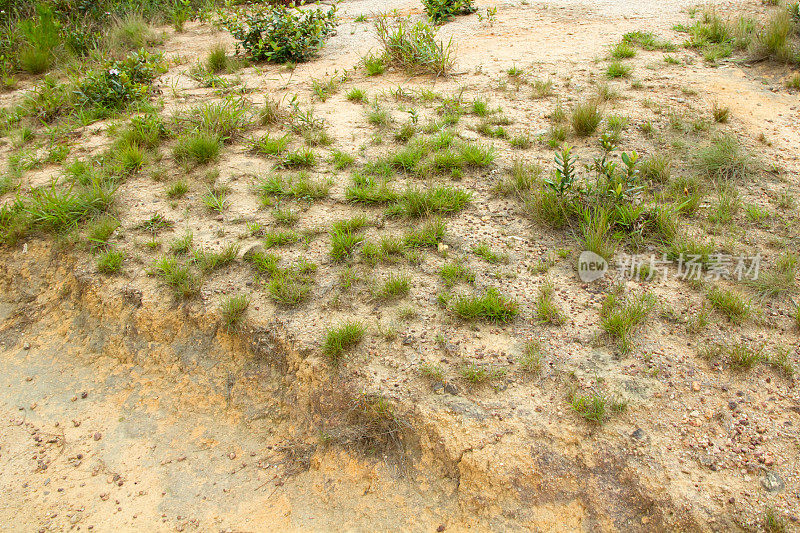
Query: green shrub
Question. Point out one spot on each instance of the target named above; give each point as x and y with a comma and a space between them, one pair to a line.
440, 11
281, 34
119, 83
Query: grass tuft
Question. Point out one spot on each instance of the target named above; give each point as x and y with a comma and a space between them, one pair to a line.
342, 338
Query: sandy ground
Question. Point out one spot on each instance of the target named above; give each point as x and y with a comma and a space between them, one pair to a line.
118, 428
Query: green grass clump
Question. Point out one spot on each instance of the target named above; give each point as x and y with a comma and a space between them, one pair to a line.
455, 272
623, 50
232, 310
357, 95
620, 316
522, 177
413, 47
374, 64
198, 148
730, 303
546, 310
647, 41
724, 159
482, 250
428, 234
345, 236
208, 261
110, 261
743, 357
271, 146
368, 190
182, 245
394, 286
490, 306
415, 203
289, 286
531, 358
586, 117
477, 374
297, 187
184, 283
431, 371
225, 119
300, 158
177, 190
100, 230
617, 69
340, 339
342, 160
280, 238
594, 407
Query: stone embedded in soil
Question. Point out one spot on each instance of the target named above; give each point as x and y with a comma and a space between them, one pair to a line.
772, 482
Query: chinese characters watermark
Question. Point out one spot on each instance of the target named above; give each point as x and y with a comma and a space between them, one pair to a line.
687, 267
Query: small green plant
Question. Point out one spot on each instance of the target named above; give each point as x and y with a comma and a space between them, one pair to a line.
345, 236
431, 371
232, 310
357, 95
720, 113
483, 250
281, 34
375, 65
477, 374
198, 148
730, 303
586, 117
413, 48
177, 190
772, 522
546, 310
300, 187
440, 11
215, 199
208, 261
490, 306
184, 283
724, 159
110, 261
617, 69
428, 234
594, 407
743, 357
342, 338
623, 50
182, 245
342, 160
455, 272
531, 358
394, 286
280, 238
99, 231
620, 316
271, 146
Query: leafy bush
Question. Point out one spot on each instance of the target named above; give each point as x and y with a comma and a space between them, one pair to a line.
120, 82
440, 11
281, 34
